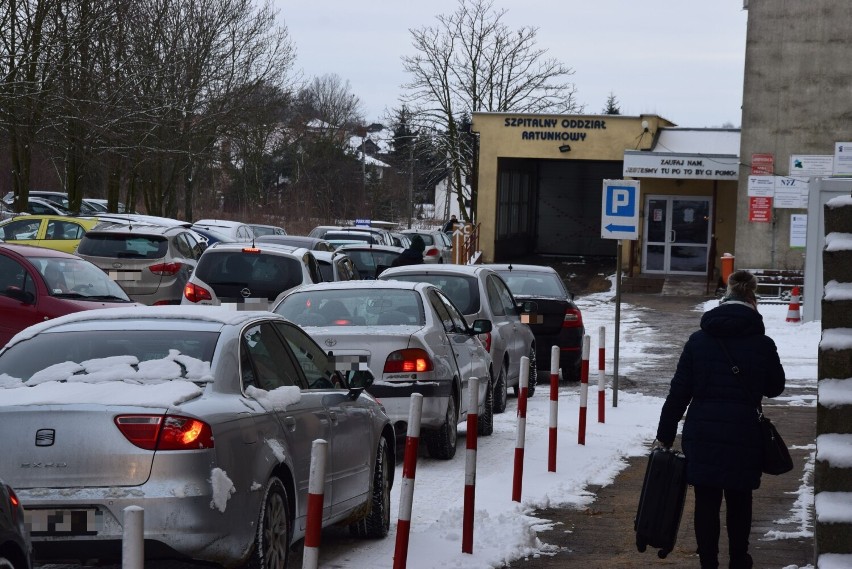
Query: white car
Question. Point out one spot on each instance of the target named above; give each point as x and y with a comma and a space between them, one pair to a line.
233, 230
413, 339
249, 277
439, 246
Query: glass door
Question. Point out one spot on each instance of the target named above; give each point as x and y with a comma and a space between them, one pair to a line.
677, 235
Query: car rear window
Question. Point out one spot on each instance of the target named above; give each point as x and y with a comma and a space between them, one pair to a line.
123, 246
353, 307
533, 284
267, 274
462, 290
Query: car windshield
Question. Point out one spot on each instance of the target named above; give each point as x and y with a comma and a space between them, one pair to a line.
462, 290
123, 246
265, 274
353, 307
76, 278
533, 283
105, 355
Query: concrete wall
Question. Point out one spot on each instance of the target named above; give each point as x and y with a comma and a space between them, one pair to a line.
796, 100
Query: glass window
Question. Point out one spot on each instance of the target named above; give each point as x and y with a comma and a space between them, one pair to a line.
182, 245
270, 361
12, 273
21, 229
494, 300
505, 295
459, 324
441, 309
317, 366
123, 246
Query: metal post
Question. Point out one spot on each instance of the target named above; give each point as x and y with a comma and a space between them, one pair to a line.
523, 390
617, 323
470, 466
133, 541
316, 496
554, 408
406, 491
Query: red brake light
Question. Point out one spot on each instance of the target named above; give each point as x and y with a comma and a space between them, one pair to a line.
165, 269
431, 252
253, 250
572, 319
14, 501
486, 341
195, 293
408, 361
165, 432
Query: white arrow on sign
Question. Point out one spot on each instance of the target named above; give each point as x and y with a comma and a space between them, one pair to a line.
620, 209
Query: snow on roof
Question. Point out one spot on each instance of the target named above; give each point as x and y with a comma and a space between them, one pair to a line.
705, 141
836, 339
834, 392
839, 201
836, 449
838, 241
833, 507
838, 291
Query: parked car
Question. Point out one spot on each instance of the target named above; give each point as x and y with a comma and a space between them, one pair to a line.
341, 237
401, 239
555, 320
234, 230
41, 206
382, 236
311, 243
418, 343
151, 262
204, 417
480, 293
336, 266
249, 277
38, 284
15, 545
52, 231
371, 260
439, 247
260, 229
6, 211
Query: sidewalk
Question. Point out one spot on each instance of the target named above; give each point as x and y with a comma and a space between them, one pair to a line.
602, 535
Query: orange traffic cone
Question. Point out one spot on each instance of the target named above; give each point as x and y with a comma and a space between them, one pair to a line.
793, 312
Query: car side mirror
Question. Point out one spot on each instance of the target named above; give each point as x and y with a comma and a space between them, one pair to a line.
20, 294
358, 381
481, 326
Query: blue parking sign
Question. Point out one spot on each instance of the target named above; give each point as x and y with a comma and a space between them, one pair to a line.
620, 209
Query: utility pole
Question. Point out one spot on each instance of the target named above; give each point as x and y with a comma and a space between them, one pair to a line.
410, 183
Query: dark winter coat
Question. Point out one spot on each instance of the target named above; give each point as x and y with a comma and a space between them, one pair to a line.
408, 257
721, 438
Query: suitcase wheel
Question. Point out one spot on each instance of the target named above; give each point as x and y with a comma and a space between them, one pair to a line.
662, 553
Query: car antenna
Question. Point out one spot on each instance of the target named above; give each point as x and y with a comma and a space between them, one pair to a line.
510, 267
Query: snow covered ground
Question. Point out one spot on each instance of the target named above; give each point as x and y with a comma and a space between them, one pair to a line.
505, 530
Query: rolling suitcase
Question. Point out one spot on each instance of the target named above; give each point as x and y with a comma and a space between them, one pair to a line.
661, 501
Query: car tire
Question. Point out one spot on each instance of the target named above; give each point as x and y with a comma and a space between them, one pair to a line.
501, 391
274, 528
441, 442
6, 564
376, 524
485, 421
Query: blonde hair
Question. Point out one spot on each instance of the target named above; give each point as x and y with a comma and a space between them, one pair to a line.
742, 285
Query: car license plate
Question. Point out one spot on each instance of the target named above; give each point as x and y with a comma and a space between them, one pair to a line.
124, 275
64, 522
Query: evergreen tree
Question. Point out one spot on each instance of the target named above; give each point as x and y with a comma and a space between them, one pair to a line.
612, 107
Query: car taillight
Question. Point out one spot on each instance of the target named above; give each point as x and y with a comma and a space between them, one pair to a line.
408, 361
165, 269
486, 341
165, 432
572, 319
14, 502
195, 293
431, 252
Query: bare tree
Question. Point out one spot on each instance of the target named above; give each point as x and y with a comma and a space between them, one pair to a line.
472, 61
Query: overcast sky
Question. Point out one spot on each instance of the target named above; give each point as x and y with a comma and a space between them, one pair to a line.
680, 59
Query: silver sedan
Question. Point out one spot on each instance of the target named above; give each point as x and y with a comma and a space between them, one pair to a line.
414, 339
204, 417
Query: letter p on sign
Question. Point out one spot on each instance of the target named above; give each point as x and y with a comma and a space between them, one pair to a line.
620, 201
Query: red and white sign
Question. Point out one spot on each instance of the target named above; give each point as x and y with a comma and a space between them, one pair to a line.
759, 209
762, 164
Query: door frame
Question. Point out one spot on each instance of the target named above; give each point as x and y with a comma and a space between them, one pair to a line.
669, 199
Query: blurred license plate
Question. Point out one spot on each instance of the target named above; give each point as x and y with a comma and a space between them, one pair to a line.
124, 275
64, 522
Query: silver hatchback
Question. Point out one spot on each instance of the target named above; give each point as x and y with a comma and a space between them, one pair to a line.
204, 417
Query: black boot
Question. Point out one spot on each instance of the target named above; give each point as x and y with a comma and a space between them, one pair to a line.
741, 562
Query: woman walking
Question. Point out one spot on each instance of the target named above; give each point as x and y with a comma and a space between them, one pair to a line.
725, 370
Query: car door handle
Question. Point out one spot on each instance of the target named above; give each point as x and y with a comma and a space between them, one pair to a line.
290, 423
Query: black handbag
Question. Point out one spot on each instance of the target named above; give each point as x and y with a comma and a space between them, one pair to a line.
776, 455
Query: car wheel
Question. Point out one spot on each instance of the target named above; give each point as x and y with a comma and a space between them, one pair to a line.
376, 524
501, 391
485, 422
441, 442
6, 564
274, 529
533, 372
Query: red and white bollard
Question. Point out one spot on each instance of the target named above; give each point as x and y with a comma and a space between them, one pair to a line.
523, 389
793, 314
584, 391
316, 491
470, 466
601, 375
406, 489
554, 408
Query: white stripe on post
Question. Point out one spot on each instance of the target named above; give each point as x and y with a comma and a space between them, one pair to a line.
554, 408
133, 539
523, 389
316, 495
584, 391
470, 465
601, 375
406, 489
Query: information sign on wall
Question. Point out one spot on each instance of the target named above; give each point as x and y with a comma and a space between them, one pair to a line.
762, 164
759, 209
798, 230
811, 165
843, 158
